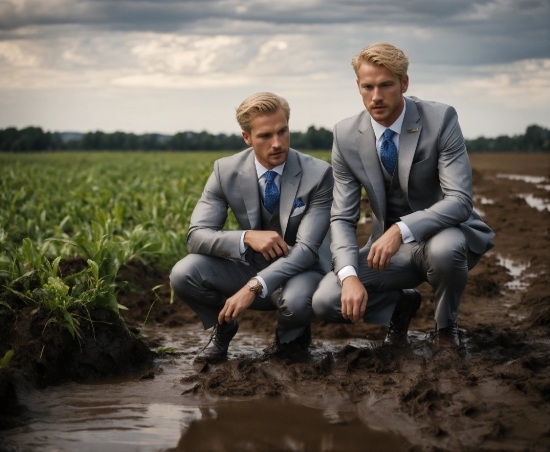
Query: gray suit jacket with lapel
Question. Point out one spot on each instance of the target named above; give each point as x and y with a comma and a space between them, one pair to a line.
234, 184
434, 174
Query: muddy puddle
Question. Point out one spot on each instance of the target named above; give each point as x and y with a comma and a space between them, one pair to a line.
349, 394
533, 201
156, 410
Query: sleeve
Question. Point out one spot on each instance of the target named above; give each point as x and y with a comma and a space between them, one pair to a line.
455, 179
344, 213
206, 234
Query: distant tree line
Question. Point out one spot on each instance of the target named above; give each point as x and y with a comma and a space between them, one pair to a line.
536, 138
31, 139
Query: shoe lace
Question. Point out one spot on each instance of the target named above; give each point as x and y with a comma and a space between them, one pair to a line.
213, 337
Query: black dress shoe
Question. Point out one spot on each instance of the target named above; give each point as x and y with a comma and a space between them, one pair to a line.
404, 311
217, 346
448, 336
301, 343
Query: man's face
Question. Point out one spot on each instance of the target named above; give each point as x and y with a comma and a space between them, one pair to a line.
270, 137
382, 92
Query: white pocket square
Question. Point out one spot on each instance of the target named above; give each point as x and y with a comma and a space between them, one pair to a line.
297, 211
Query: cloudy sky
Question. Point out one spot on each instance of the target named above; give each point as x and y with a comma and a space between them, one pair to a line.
169, 65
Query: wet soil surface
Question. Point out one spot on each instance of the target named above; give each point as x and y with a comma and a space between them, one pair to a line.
492, 393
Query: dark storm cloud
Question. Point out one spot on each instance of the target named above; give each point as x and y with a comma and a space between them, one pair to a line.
459, 32
152, 15
464, 31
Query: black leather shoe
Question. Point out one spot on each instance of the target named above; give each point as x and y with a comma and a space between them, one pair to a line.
217, 346
404, 311
448, 336
301, 343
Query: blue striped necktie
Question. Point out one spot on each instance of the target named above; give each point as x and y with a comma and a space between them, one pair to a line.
388, 152
271, 194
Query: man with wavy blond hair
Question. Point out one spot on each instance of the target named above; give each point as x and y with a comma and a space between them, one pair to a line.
410, 157
281, 199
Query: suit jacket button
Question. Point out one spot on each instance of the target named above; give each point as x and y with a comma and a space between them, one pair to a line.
225, 254
399, 196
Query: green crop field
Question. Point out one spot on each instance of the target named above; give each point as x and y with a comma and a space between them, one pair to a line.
104, 207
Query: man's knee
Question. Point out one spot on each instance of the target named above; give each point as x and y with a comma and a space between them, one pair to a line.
326, 298
447, 251
296, 309
182, 274
295, 299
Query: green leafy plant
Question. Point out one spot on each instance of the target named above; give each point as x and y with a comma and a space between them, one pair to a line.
6, 359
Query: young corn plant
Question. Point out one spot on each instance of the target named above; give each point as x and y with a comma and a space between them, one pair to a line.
65, 300
6, 359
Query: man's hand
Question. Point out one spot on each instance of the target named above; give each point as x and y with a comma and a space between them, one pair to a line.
236, 304
354, 299
269, 243
384, 248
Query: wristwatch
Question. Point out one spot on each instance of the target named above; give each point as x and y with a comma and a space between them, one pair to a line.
254, 285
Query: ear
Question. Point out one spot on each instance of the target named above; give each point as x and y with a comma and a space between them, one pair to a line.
246, 138
404, 84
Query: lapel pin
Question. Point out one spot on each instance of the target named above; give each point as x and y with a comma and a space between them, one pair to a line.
413, 130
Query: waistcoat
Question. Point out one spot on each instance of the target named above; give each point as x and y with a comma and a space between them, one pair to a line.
396, 204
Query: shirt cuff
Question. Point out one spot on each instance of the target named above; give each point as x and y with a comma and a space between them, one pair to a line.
263, 294
242, 247
348, 270
406, 234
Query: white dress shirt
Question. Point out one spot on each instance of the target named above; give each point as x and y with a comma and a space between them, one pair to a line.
379, 129
260, 171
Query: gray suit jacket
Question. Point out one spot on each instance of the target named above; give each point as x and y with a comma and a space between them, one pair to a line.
234, 184
434, 174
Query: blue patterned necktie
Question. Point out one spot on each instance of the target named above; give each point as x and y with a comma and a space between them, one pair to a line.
388, 152
272, 195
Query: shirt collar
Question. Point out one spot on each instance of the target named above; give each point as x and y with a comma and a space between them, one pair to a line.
261, 170
379, 129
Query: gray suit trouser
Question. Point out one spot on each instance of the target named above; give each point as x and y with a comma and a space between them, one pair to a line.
205, 282
443, 261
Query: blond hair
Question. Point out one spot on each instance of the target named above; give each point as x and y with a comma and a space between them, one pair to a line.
260, 104
383, 54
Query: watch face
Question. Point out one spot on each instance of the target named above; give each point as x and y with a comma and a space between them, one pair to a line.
254, 285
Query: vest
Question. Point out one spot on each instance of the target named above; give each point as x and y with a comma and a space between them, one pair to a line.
271, 222
396, 204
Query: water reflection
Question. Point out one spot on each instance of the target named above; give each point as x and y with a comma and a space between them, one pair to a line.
537, 203
483, 200
540, 181
278, 424
134, 414
528, 179
516, 270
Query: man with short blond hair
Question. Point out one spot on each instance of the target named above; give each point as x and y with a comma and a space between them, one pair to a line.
260, 104
281, 199
411, 158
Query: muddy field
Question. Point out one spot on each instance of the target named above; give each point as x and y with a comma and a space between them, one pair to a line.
492, 393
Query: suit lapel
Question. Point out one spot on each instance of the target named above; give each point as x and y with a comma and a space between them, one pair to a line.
408, 140
366, 144
248, 182
292, 175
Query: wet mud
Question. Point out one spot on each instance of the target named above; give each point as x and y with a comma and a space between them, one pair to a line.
492, 393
